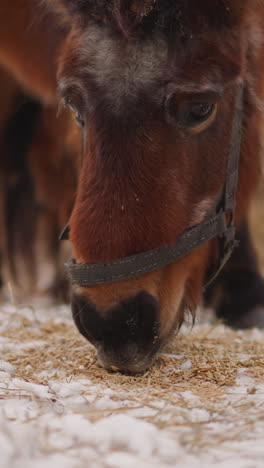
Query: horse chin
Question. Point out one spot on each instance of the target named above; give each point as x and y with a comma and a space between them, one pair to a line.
136, 366
140, 362
129, 334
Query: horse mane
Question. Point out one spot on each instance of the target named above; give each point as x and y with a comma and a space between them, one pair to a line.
163, 14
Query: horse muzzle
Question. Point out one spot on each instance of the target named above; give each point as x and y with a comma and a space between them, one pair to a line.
126, 336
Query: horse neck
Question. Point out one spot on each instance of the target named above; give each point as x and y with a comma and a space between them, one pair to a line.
30, 41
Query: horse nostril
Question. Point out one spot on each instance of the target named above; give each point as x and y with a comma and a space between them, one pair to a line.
86, 318
125, 335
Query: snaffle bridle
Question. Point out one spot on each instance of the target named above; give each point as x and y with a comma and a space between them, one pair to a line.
220, 222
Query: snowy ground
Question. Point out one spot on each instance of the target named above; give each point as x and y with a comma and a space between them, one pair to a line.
202, 405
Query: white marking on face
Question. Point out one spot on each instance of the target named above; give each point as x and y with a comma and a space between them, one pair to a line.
122, 72
127, 69
200, 211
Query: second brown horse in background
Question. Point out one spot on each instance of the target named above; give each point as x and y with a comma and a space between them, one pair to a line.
153, 86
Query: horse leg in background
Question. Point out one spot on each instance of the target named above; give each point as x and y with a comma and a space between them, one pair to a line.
8, 95
238, 293
52, 162
36, 193
25, 31
19, 208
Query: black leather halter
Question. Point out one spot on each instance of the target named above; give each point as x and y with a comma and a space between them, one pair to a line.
218, 223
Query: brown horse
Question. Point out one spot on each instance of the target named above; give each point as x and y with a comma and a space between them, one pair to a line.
38, 179
38, 163
153, 85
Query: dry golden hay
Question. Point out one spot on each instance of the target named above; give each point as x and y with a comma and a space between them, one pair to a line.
49, 352
57, 352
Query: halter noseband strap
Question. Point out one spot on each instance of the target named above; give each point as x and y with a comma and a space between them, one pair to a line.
218, 223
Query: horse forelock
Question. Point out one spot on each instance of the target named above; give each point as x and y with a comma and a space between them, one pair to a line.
126, 14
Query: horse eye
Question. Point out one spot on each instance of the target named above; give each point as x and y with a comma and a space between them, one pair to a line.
190, 115
199, 112
79, 119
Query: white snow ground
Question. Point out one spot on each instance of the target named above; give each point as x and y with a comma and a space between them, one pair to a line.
53, 425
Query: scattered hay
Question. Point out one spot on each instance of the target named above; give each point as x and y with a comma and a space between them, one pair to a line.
57, 351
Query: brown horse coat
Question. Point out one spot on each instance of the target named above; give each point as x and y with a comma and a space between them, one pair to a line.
153, 84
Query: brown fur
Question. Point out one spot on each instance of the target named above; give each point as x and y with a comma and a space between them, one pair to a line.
128, 194
8, 92
142, 177
31, 256
29, 41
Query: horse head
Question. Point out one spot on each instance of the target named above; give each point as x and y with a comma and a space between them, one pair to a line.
153, 85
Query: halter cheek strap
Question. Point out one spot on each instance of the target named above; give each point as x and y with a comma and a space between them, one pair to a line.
218, 223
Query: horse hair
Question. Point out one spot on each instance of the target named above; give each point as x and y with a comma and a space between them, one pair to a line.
163, 14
